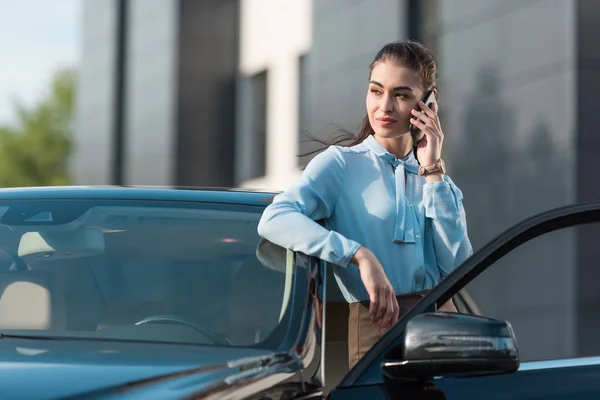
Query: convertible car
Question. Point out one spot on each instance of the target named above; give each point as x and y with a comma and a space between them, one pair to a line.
127, 293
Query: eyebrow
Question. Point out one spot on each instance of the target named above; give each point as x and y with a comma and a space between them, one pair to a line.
396, 88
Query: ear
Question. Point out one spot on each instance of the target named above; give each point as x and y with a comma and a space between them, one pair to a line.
435, 92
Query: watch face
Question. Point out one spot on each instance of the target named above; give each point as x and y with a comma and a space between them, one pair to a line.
439, 166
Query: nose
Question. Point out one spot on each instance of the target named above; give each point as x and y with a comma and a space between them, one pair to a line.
387, 104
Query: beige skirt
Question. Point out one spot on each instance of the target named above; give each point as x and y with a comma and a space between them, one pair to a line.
362, 335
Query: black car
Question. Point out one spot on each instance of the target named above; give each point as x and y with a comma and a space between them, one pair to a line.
126, 293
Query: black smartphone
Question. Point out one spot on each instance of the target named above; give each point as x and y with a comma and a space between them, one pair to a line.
415, 132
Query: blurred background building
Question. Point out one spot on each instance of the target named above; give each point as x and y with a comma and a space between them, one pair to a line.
217, 93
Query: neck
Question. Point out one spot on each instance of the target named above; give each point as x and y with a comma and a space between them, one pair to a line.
400, 146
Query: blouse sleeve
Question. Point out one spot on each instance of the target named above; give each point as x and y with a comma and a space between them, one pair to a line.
289, 221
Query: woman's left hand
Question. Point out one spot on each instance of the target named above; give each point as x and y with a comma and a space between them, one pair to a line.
429, 150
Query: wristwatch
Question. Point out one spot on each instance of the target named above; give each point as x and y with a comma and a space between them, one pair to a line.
438, 167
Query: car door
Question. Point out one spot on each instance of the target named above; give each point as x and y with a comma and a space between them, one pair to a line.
543, 277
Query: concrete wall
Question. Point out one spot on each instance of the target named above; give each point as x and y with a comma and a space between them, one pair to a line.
347, 35
273, 37
162, 110
507, 103
150, 108
517, 102
94, 119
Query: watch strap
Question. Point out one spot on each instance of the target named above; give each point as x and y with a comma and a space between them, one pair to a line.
438, 167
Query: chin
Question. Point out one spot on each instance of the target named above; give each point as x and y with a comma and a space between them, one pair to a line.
390, 134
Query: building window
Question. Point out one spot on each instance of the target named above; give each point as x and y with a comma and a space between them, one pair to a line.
257, 129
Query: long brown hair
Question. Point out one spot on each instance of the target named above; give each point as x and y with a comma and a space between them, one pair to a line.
410, 54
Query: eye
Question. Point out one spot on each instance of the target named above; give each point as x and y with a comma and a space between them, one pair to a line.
402, 95
375, 91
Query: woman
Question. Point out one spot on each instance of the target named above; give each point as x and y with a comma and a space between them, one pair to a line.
390, 231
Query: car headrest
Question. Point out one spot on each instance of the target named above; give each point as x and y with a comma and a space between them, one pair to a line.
257, 297
82, 242
271, 255
31, 300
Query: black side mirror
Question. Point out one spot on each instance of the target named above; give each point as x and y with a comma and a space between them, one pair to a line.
442, 344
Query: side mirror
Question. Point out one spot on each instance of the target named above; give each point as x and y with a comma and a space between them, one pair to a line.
442, 344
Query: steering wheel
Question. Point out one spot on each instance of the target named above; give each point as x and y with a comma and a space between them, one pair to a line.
209, 332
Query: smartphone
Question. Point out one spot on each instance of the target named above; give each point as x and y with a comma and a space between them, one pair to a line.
415, 132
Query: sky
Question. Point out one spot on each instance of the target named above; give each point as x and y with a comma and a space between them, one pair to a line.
36, 38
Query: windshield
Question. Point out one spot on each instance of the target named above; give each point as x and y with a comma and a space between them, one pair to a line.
140, 270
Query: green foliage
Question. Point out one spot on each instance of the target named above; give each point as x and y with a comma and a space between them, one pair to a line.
35, 152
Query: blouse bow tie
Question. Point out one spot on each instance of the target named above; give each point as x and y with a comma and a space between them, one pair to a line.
404, 231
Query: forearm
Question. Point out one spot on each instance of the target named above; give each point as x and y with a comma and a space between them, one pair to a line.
437, 177
444, 207
289, 228
290, 220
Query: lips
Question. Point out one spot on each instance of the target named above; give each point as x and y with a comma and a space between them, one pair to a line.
386, 120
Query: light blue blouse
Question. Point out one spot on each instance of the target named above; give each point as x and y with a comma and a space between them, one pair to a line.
366, 196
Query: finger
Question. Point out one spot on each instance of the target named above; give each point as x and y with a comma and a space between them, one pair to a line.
418, 114
396, 310
430, 113
419, 124
434, 108
436, 120
423, 118
428, 127
381, 308
373, 306
438, 124
389, 317
385, 321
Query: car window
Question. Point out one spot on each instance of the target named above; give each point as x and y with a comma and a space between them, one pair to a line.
549, 290
144, 271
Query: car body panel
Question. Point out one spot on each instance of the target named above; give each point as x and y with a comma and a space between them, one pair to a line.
530, 382
35, 368
62, 367
95, 369
368, 371
229, 196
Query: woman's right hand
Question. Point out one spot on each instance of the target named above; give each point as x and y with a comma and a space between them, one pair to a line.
384, 305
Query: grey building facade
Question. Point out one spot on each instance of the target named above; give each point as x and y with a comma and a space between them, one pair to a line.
517, 106
517, 102
518, 77
156, 102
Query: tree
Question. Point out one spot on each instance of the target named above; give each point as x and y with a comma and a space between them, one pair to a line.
35, 152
